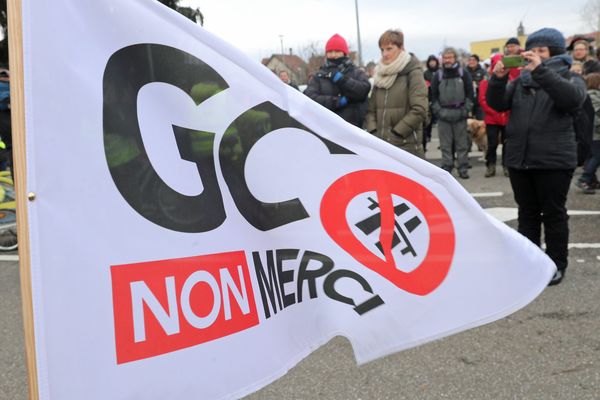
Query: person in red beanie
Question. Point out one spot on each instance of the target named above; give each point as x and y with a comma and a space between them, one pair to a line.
339, 85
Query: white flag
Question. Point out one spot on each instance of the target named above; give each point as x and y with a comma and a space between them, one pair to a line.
200, 227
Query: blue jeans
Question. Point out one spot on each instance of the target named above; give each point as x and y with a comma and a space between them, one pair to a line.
591, 165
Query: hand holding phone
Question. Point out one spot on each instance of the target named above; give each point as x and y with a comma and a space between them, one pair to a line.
533, 60
499, 70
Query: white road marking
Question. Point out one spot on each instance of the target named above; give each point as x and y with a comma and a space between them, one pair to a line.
577, 212
505, 214
9, 257
488, 194
584, 246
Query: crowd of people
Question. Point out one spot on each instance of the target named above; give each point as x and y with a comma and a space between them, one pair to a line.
540, 102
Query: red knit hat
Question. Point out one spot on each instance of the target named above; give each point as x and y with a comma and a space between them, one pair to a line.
336, 42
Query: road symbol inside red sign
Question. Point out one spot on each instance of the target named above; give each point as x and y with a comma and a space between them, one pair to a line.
432, 271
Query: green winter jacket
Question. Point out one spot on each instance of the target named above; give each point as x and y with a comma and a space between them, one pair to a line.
397, 114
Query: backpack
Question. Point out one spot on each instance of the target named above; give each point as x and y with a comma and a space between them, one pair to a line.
440, 73
583, 124
440, 76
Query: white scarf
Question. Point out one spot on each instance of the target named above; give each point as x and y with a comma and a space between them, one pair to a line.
385, 75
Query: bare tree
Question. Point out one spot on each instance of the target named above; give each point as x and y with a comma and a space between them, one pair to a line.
310, 49
590, 13
313, 53
190, 13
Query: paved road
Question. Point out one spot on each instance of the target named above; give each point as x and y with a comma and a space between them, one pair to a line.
549, 350
13, 378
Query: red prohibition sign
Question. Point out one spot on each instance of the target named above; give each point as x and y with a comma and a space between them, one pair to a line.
435, 266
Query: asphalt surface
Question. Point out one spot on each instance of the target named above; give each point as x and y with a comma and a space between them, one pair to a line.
548, 350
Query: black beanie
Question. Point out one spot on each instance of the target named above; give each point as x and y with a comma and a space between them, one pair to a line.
513, 40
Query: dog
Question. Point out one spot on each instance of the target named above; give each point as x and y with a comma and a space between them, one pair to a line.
478, 133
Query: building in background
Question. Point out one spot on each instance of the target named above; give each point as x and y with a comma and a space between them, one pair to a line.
296, 68
485, 48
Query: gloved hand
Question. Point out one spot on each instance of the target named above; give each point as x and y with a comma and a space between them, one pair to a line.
337, 76
342, 102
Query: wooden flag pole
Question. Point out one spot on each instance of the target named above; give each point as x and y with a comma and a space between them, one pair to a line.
17, 100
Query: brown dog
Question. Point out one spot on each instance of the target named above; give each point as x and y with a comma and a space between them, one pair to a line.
478, 133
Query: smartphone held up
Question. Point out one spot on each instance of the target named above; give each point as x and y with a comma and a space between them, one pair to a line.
513, 61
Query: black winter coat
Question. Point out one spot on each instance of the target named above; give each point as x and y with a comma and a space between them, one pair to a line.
354, 85
540, 133
478, 74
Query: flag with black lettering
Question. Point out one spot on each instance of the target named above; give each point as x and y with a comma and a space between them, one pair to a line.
199, 227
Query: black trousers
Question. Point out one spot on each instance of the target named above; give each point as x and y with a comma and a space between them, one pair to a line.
495, 134
541, 196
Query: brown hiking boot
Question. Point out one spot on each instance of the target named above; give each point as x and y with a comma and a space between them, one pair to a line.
491, 171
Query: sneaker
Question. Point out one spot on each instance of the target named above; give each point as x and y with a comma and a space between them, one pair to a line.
463, 175
557, 278
505, 170
585, 187
491, 171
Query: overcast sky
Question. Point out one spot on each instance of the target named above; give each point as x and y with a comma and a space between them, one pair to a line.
255, 26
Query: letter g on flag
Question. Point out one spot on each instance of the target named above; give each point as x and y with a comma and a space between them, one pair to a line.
434, 268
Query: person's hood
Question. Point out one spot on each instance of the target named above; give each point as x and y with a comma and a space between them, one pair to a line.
437, 63
413, 64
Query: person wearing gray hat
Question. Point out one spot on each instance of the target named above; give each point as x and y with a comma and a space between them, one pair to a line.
541, 152
546, 37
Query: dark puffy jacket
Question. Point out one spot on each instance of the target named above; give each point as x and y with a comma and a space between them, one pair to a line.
478, 74
354, 86
540, 133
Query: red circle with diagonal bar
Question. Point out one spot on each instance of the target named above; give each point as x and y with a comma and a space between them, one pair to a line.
435, 266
